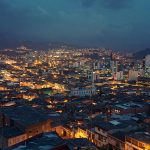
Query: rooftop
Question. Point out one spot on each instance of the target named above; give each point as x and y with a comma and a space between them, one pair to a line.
25, 115
9, 132
141, 136
48, 141
116, 124
119, 135
79, 142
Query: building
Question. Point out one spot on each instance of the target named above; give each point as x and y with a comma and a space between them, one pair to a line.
82, 92
81, 144
138, 141
92, 76
65, 132
25, 119
10, 136
109, 134
147, 65
95, 76
96, 65
114, 67
47, 141
116, 140
130, 108
133, 75
119, 76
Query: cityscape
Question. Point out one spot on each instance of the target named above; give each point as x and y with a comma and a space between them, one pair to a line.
72, 94
86, 98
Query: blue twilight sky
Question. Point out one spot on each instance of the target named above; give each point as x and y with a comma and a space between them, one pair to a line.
117, 24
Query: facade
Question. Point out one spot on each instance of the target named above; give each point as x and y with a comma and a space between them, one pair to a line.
114, 68
138, 141
147, 65
95, 76
81, 144
116, 141
96, 65
82, 92
130, 108
119, 76
133, 75
108, 134
92, 76
64, 131
91, 135
102, 137
46, 141
11, 136
25, 119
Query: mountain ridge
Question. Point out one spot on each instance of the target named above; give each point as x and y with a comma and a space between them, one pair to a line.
141, 54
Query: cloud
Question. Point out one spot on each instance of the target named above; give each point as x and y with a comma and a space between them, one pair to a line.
88, 3
42, 10
86, 22
109, 4
117, 4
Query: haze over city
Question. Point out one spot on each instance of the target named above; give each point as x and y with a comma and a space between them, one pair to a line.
116, 24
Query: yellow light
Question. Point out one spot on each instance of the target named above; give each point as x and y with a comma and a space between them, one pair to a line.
65, 101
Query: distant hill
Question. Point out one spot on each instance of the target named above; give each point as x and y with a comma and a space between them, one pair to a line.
142, 54
7, 43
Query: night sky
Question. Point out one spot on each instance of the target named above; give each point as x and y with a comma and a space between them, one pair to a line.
117, 24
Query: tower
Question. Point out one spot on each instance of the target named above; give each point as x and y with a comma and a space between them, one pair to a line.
114, 68
147, 64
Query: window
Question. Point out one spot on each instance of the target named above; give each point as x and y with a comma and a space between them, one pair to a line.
134, 142
10, 142
128, 139
100, 137
141, 145
118, 144
93, 136
98, 129
104, 140
23, 137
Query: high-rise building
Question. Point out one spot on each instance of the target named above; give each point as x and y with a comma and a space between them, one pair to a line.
147, 64
92, 76
96, 65
119, 76
95, 76
133, 75
114, 67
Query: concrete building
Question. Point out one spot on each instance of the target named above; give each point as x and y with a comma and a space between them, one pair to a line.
108, 134
25, 119
11, 136
96, 65
114, 68
93, 76
138, 141
116, 141
130, 108
147, 65
119, 76
133, 75
82, 92
46, 141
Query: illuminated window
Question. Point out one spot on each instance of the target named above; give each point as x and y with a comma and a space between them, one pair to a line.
141, 145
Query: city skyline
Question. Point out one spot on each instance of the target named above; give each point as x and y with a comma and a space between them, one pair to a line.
115, 24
